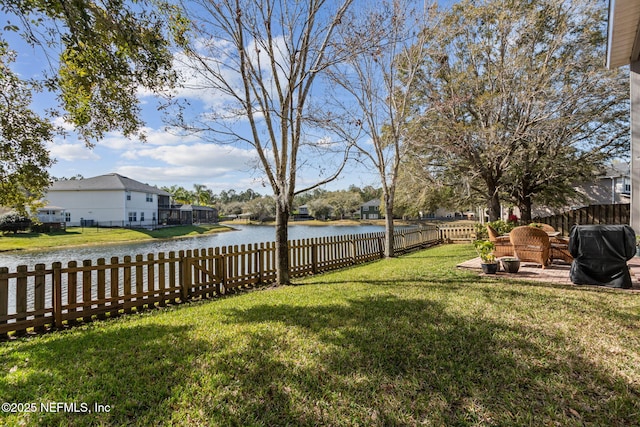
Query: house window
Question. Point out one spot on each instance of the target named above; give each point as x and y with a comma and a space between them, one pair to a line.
67, 217
149, 197
133, 216
141, 216
153, 216
128, 193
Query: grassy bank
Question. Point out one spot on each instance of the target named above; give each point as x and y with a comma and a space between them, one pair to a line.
77, 236
408, 341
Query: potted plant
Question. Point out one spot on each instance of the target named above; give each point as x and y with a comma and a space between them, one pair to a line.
510, 264
485, 248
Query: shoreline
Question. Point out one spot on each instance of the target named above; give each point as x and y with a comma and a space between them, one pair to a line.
222, 229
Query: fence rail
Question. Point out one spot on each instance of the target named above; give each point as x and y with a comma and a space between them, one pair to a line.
62, 295
457, 233
592, 214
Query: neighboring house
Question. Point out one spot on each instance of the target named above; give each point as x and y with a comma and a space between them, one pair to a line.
110, 200
448, 214
51, 214
370, 209
194, 214
613, 186
302, 214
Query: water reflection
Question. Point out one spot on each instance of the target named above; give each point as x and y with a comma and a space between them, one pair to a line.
244, 234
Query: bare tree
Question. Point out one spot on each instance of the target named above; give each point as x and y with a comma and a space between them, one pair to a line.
381, 82
258, 60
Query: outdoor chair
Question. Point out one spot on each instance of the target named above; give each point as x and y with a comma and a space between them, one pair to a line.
560, 249
600, 255
544, 227
559, 245
530, 244
502, 244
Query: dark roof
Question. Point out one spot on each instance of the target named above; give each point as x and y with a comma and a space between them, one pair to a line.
196, 208
111, 181
373, 202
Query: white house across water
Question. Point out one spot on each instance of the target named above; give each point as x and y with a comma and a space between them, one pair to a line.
110, 200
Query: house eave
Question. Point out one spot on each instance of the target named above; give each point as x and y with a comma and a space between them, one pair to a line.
623, 45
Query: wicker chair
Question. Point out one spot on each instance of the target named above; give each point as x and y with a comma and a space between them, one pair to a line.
531, 244
560, 249
559, 245
545, 227
502, 244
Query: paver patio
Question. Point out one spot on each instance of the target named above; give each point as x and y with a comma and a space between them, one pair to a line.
557, 272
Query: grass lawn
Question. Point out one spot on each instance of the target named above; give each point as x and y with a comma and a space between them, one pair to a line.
77, 236
408, 341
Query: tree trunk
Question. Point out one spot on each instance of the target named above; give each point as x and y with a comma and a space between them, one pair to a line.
282, 243
525, 210
388, 226
494, 206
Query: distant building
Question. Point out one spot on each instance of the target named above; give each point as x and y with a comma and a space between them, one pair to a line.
612, 186
370, 209
51, 214
108, 200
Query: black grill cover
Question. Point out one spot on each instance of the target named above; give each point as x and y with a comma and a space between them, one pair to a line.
600, 254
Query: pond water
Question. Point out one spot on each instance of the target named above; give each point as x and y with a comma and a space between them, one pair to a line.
244, 234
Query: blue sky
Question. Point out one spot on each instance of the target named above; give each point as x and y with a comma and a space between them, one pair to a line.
165, 159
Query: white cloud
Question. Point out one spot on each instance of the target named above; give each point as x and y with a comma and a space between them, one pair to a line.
202, 155
72, 152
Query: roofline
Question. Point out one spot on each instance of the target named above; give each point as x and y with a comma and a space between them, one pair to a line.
623, 33
612, 5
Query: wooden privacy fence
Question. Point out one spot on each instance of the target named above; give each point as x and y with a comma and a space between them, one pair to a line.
592, 214
63, 295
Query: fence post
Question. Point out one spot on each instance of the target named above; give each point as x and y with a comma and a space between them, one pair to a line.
21, 296
72, 290
139, 283
86, 290
353, 248
39, 282
260, 261
314, 255
162, 280
4, 296
186, 274
57, 294
101, 285
151, 280
115, 285
127, 281
221, 272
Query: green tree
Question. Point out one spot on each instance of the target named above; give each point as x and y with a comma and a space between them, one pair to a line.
100, 55
515, 103
14, 222
24, 158
320, 208
260, 208
106, 52
344, 203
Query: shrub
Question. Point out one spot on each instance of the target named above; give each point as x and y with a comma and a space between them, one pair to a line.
14, 222
501, 226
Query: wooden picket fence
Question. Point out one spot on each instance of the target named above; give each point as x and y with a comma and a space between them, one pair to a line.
59, 296
454, 233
